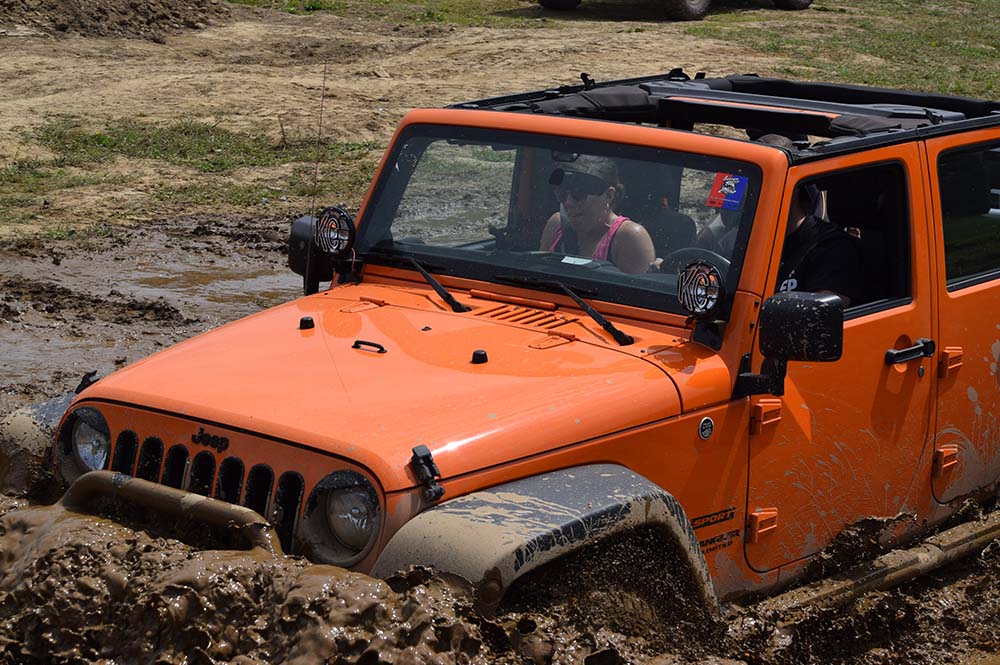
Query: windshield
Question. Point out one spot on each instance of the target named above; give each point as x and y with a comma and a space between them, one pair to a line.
613, 222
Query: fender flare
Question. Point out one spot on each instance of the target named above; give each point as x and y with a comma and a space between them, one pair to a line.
496, 536
26, 443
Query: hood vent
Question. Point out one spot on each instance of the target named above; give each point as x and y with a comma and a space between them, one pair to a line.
526, 316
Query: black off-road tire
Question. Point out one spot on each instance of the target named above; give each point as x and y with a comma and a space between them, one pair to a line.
792, 4
559, 5
686, 10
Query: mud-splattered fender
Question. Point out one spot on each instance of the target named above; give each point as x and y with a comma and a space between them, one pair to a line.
26, 436
496, 536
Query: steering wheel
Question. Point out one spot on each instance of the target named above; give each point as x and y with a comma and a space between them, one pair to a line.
685, 255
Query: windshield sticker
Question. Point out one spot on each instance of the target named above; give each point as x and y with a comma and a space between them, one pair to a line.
727, 191
576, 260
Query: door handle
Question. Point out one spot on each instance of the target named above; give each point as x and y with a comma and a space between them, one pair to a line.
924, 348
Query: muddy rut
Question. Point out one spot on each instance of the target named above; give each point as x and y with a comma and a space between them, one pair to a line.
82, 589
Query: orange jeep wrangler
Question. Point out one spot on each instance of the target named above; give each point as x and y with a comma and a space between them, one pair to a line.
731, 315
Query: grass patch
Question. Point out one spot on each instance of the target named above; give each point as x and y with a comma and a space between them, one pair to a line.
234, 194
296, 6
924, 45
199, 145
495, 13
24, 185
65, 232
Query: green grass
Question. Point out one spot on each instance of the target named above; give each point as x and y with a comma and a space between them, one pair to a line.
198, 145
296, 6
24, 185
64, 232
948, 47
495, 13
81, 156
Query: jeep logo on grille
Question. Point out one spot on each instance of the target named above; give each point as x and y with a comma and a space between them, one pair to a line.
219, 443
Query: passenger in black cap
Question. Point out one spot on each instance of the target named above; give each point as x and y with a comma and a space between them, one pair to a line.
587, 225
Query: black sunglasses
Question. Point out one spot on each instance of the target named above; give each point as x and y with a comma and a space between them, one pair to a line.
580, 185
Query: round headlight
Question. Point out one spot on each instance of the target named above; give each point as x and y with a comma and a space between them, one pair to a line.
350, 512
91, 439
342, 519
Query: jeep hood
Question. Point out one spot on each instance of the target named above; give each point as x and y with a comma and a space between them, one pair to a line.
369, 381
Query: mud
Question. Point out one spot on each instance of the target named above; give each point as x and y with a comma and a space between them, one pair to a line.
147, 19
125, 295
77, 589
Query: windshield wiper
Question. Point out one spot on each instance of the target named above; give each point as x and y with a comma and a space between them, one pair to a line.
436, 285
622, 338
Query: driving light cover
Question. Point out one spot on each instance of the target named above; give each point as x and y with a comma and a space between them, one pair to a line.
335, 231
342, 519
91, 439
700, 288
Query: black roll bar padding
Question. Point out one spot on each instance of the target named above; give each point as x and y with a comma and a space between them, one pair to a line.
256, 530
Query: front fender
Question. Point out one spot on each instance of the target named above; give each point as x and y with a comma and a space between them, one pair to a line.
26, 436
496, 536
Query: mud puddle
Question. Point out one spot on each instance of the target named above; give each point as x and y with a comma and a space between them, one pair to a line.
129, 294
76, 588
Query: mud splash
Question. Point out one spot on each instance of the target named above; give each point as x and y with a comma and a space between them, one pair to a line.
78, 588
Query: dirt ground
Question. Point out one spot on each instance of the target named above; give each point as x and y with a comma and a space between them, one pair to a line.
80, 589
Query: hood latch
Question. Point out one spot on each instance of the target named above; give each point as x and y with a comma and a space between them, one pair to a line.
427, 472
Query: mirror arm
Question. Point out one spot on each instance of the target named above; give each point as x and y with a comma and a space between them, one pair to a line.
771, 380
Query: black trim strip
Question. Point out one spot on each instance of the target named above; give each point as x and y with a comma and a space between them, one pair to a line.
965, 282
878, 306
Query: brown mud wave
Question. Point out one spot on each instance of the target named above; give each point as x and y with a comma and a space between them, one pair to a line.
82, 589
76, 588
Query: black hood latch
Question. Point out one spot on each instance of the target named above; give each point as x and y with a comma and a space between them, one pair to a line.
427, 472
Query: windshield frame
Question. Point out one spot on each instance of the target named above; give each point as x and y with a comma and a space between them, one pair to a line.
386, 195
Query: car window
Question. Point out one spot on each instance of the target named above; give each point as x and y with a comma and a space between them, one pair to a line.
859, 240
489, 204
969, 183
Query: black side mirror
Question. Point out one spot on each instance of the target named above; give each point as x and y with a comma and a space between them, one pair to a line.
802, 326
794, 326
316, 244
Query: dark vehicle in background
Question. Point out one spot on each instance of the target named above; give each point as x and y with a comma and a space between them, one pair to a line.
678, 10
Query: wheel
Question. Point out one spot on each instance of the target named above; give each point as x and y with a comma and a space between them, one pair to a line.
559, 5
681, 257
792, 4
636, 583
686, 10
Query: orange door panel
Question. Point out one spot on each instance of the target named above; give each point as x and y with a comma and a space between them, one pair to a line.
967, 228
847, 438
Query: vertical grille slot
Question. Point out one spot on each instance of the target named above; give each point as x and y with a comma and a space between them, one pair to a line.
259, 483
125, 449
150, 458
230, 480
202, 473
287, 500
174, 467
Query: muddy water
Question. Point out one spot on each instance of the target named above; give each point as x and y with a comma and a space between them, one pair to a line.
124, 296
77, 589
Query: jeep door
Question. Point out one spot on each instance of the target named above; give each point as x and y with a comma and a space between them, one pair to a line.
851, 434
964, 177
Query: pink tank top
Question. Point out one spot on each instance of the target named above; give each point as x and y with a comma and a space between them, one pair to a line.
603, 247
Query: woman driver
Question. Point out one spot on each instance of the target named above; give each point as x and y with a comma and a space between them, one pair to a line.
587, 224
